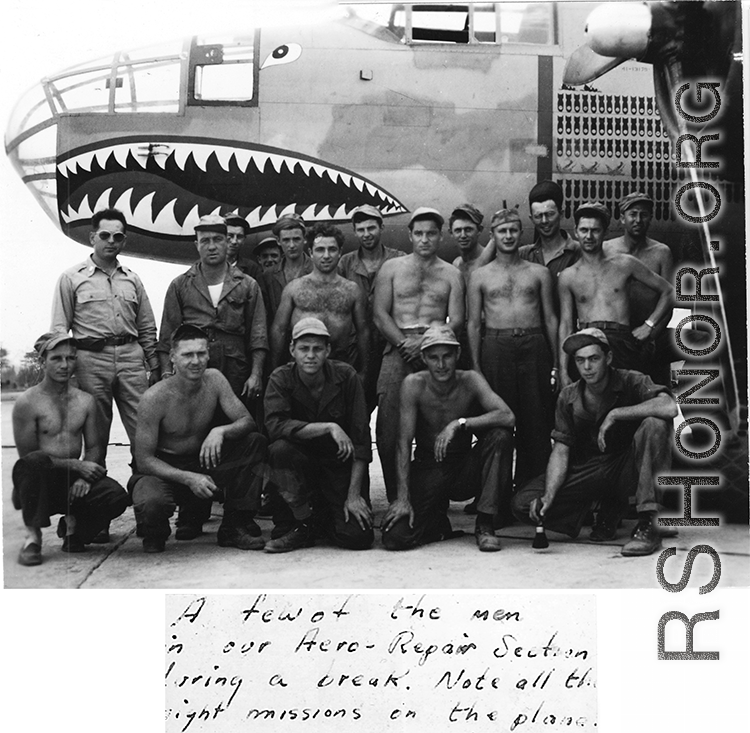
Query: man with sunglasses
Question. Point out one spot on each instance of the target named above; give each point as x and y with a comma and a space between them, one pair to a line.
104, 305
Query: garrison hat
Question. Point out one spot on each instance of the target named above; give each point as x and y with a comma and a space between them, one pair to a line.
635, 198
366, 212
212, 223
235, 220
594, 209
505, 215
288, 221
440, 334
49, 340
470, 212
427, 212
546, 191
585, 337
310, 327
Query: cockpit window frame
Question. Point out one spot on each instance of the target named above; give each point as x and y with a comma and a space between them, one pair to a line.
192, 101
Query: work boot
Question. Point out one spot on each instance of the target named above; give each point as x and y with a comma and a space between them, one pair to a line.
102, 537
239, 537
645, 539
153, 544
485, 534
30, 554
604, 529
299, 536
188, 531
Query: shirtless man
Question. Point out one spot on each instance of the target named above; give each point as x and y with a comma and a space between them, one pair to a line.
442, 407
636, 212
183, 460
325, 295
597, 287
362, 266
52, 423
465, 226
515, 299
411, 293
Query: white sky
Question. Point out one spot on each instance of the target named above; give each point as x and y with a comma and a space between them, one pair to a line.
40, 39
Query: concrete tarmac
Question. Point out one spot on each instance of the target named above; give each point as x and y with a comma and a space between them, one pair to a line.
456, 563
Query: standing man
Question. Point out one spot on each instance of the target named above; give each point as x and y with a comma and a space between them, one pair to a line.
443, 407
104, 305
636, 212
325, 295
555, 248
320, 446
612, 435
290, 231
597, 288
185, 459
226, 304
237, 231
518, 353
411, 293
267, 253
53, 423
465, 225
361, 267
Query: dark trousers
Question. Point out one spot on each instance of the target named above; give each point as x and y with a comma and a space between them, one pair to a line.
239, 478
310, 480
484, 471
518, 368
39, 491
393, 371
609, 478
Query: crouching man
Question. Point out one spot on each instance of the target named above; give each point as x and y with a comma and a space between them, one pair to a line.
184, 461
318, 425
442, 407
612, 433
52, 422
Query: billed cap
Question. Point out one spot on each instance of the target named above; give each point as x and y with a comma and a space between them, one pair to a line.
594, 209
366, 212
309, 327
212, 223
49, 340
585, 337
470, 212
427, 212
636, 197
503, 216
441, 334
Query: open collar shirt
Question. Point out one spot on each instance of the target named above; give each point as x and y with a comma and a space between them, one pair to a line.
240, 311
93, 305
578, 428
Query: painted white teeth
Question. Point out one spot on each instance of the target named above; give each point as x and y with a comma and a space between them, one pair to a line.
103, 201
165, 221
123, 203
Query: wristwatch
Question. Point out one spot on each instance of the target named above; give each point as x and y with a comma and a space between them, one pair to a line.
649, 323
461, 423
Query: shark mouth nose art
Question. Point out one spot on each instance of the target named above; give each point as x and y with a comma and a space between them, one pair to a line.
164, 185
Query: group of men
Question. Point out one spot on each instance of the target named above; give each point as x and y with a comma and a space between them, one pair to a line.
266, 371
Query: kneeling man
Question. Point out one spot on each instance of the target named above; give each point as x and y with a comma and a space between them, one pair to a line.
442, 407
612, 433
318, 425
52, 422
183, 460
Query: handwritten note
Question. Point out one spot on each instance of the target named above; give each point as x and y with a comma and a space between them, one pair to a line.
393, 662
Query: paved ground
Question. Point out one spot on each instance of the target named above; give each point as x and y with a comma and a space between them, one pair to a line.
453, 564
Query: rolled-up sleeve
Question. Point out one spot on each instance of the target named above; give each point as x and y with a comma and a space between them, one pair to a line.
564, 430
278, 408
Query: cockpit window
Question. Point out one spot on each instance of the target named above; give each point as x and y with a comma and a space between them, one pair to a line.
223, 72
470, 23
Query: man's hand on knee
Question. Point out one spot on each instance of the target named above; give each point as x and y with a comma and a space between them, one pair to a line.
202, 486
79, 488
90, 471
210, 455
